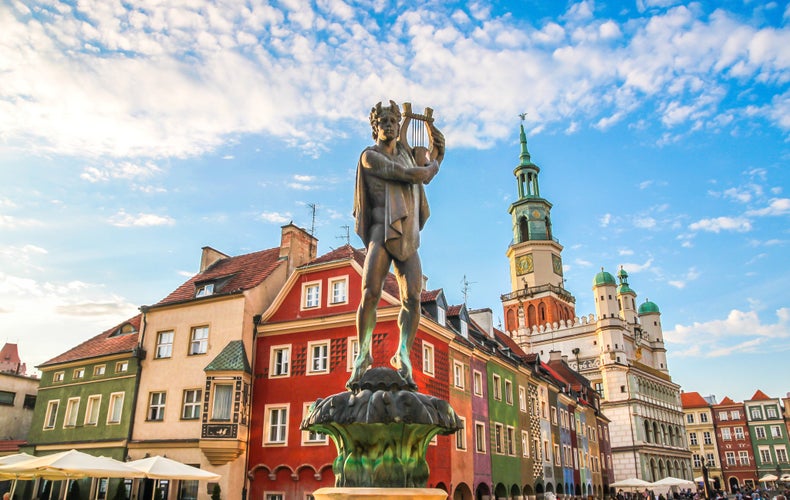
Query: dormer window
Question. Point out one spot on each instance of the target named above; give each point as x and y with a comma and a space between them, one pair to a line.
124, 329
441, 316
205, 290
464, 329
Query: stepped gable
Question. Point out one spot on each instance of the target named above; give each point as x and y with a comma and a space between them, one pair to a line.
727, 401
760, 396
108, 342
242, 272
692, 400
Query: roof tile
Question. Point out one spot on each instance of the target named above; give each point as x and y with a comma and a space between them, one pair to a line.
102, 344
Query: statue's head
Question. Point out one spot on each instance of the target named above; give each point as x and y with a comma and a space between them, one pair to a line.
378, 110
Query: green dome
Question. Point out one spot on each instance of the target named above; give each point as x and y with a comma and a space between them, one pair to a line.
621, 273
648, 307
624, 288
603, 278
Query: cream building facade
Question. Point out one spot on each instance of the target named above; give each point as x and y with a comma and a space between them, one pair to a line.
619, 348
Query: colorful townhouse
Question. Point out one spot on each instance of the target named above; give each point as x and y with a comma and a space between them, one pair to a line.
734, 442
197, 345
17, 400
768, 432
701, 436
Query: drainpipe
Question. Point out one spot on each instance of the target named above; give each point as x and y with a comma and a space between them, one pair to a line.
255, 322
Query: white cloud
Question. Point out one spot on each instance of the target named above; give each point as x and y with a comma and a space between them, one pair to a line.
11, 222
123, 219
777, 206
636, 268
691, 275
582, 263
625, 251
644, 222
605, 220
718, 224
276, 217
120, 170
646, 184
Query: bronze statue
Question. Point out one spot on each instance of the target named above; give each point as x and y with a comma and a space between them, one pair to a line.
390, 210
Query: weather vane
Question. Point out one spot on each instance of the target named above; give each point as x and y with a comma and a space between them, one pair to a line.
523, 116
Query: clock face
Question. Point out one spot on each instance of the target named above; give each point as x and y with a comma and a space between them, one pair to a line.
557, 264
524, 264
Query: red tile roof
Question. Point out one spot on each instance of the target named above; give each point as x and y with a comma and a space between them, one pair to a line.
430, 295
244, 272
511, 344
101, 345
343, 253
760, 396
727, 401
692, 400
453, 310
11, 445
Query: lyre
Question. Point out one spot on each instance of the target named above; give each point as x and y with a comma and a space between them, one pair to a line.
416, 135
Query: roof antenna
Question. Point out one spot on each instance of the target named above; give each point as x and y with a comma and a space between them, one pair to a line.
347, 236
465, 289
313, 207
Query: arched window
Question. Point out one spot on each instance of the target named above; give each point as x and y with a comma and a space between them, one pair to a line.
523, 229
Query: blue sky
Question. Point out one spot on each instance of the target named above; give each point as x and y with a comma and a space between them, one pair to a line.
133, 134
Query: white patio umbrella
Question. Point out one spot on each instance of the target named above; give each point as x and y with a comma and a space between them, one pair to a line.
633, 482
768, 477
157, 468
672, 481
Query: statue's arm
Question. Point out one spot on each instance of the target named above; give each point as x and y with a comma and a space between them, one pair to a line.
382, 166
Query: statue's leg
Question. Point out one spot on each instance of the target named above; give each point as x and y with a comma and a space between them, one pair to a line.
377, 263
409, 276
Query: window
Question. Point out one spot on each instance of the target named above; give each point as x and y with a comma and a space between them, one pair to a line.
205, 290
508, 392
703, 417
72, 408
121, 366
99, 370
739, 433
511, 441
52, 414
223, 402
274, 496
190, 408
599, 388
7, 398
524, 444
460, 436
352, 351
311, 295
499, 437
730, 456
319, 357
464, 329
188, 490
735, 414
776, 431
743, 457
115, 410
280, 361
710, 460
765, 455
756, 413
690, 418
79, 373
557, 454
706, 437
497, 385
156, 406
546, 451
276, 424
164, 345
553, 415
759, 432
477, 382
697, 459
458, 374
311, 437
30, 402
58, 376
723, 415
781, 454
522, 399
770, 411
480, 437
693, 438
338, 291
427, 358
92, 410
725, 434
198, 343
441, 316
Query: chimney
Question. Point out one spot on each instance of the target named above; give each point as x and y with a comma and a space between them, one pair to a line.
555, 356
485, 319
209, 257
297, 246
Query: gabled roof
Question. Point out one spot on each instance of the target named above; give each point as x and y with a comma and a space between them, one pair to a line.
430, 295
727, 401
760, 396
240, 273
347, 252
693, 400
103, 344
9, 353
232, 358
508, 342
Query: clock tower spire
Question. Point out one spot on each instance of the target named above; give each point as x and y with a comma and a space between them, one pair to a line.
537, 294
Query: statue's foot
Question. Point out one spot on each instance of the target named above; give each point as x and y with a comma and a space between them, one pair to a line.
403, 365
361, 365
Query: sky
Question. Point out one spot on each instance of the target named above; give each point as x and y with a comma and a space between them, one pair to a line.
134, 133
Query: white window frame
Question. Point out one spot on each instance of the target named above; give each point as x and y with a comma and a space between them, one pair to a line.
770, 412
723, 415
311, 358
739, 434
352, 350
776, 432
557, 457
496, 384
58, 376
205, 290
121, 367
499, 438
509, 392
222, 383
726, 435
525, 444
198, 345
332, 298
79, 373
441, 316
195, 407
51, 418
268, 410
99, 370
743, 457
707, 438
273, 357
464, 329
522, 399
312, 438
160, 406
781, 453
510, 440
735, 414
309, 301
480, 437
765, 454
703, 417
477, 383
113, 397
759, 432
164, 350
693, 438
72, 410
92, 409
428, 366
553, 415
274, 495
458, 375
689, 418
460, 435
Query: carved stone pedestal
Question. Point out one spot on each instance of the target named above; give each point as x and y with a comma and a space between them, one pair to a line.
380, 494
381, 432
